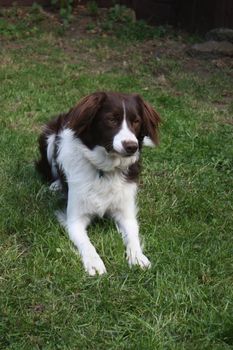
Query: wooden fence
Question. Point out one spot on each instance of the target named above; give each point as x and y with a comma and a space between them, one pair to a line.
192, 15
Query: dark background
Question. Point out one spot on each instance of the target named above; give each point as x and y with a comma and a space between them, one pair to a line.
193, 15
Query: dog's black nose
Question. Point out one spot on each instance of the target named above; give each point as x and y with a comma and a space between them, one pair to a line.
130, 147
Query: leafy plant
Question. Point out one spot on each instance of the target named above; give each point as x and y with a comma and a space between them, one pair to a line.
37, 14
92, 8
119, 13
65, 9
120, 21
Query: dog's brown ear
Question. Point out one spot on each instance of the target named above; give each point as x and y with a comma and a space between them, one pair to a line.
82, 115
151, 120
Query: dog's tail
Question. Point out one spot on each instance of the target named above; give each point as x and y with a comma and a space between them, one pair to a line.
43, 168
42, 165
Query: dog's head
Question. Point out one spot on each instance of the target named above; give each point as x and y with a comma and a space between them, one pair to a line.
118, 122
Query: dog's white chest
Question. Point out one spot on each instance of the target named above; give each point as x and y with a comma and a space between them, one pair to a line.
105, 194
96, 192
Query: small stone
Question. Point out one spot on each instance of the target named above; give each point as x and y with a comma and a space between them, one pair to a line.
162, 80
220, 34
210, 49
38, 308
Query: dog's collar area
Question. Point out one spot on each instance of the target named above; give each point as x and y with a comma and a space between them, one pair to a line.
101, 173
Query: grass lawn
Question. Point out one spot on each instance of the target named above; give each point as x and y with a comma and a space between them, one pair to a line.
185, 195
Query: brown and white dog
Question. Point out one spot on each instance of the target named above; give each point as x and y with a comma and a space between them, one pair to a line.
93, 151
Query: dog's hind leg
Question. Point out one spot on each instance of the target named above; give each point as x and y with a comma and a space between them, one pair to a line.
56, 186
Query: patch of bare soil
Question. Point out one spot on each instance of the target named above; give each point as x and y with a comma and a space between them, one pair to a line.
103, 57
172, 47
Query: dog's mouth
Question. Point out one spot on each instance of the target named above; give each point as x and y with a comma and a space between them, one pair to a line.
124, 154
113, 152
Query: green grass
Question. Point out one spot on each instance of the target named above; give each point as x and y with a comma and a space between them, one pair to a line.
185, 203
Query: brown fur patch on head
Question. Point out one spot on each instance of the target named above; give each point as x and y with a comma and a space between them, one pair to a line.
82, 115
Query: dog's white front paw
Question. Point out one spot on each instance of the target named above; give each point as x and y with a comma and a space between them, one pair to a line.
136, 257
93, 264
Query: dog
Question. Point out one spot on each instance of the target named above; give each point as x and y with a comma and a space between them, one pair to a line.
93, 153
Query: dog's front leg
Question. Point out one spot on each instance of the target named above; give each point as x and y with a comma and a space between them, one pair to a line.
77, 229
128, 226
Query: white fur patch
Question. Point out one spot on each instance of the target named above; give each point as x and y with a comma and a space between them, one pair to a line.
50, 153
123, 135
148, 142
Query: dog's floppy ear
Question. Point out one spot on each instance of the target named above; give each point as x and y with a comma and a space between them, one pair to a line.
151, 120
82, 115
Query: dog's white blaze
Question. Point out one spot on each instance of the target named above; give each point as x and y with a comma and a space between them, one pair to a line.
123, 135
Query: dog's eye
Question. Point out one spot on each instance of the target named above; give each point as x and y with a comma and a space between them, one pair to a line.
136, 121
112, 120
